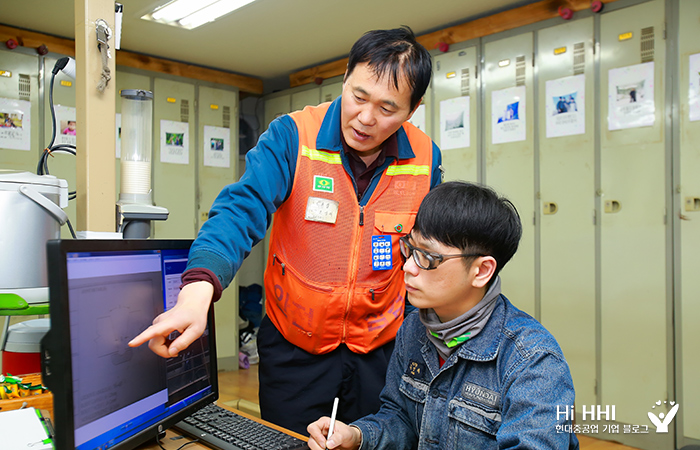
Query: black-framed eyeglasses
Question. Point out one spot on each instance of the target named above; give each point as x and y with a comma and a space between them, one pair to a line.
427, 260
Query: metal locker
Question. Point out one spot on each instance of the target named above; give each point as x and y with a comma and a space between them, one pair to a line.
331, 91
566, 177
688, 242
218, 122
63, 165
633, 188
509, 150
174, 179
19, 81
305, 98
455, 99
126, 80
275, 107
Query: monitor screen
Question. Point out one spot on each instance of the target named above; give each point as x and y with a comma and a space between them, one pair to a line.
107, 394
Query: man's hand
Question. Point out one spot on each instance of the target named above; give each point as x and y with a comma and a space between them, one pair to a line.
188, 316
344, 437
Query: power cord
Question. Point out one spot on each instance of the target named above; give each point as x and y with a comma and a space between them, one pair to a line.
178, 437
68, 66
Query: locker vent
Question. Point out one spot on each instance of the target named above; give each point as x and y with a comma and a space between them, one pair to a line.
328, 97
465, 82
227, 117
520, 71
24, 87
647, 44
579, 58
184, 110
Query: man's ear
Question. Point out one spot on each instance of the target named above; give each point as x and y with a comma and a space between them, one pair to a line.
483, 268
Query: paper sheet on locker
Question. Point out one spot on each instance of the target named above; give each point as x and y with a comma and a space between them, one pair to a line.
566, 106
508, 115
694, 87
418, 118
454, 123
217, 146
15, 124
631, 97
174, 142
66, 127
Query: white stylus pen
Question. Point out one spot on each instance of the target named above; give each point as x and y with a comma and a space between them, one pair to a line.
332, 425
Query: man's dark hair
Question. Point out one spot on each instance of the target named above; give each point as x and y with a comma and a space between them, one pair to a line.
471, 217
395, 53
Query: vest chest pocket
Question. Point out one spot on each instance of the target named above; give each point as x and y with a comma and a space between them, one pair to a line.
474, 419
386, 222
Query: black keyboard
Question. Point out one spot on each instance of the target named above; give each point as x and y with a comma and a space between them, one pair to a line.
226, 430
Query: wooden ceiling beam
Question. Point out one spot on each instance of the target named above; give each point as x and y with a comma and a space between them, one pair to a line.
503, 21
32, 39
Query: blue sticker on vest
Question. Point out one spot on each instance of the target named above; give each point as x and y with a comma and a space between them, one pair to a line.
416, 370
481, 395
381, 252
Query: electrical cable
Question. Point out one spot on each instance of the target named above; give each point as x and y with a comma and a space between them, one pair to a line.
43, 164
180, 447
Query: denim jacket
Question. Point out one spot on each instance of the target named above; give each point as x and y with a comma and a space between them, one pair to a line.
498, 390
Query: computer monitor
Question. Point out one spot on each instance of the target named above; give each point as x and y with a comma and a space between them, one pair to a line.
102, 294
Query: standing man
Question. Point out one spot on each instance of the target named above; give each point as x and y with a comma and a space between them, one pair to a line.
344, 180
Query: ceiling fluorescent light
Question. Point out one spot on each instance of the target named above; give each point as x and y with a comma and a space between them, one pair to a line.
174, 11
212, 12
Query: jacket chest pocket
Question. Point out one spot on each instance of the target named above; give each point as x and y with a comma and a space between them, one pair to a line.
416, 391
472, 425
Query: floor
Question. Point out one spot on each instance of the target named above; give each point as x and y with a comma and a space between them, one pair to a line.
240, 388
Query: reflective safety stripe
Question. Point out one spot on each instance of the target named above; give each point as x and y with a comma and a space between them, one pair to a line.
408, 169
318, 155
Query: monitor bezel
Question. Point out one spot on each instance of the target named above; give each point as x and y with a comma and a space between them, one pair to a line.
56, 364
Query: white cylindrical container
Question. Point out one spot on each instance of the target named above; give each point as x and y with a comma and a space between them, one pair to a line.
136, 136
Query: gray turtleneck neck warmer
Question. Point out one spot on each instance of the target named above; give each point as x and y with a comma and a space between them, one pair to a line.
447, 336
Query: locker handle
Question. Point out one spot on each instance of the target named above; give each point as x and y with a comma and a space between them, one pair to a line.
692, 204
550, 208
612, 206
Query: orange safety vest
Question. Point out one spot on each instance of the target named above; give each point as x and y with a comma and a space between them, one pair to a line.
320, 287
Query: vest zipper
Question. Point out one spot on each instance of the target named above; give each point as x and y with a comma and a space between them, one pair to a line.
353, 271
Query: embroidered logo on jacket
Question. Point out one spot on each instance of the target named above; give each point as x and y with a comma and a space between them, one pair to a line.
416, 370
481, 395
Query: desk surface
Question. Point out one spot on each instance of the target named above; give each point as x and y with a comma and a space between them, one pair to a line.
169, 443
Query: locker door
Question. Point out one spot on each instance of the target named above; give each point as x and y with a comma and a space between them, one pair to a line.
330, 92
305, 98
567, 201
20, 81
63, 165
429, 111
688, 312
507, 85
218, 120
174, 183
126, 80
275, 107
633, 233
455, 112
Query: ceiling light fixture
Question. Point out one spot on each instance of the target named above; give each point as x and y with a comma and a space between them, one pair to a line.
191, 14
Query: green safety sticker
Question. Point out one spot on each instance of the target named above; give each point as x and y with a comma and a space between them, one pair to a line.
323, 184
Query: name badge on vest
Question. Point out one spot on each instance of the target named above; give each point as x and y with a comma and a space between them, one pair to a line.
381, 252
321, 210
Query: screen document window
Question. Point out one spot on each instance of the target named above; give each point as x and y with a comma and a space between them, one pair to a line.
118, 390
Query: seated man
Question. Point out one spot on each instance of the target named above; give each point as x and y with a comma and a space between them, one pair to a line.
469, 370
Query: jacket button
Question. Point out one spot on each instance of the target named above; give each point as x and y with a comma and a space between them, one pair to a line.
435, 393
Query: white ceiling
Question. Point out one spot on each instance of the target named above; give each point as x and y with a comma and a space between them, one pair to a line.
266, 39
